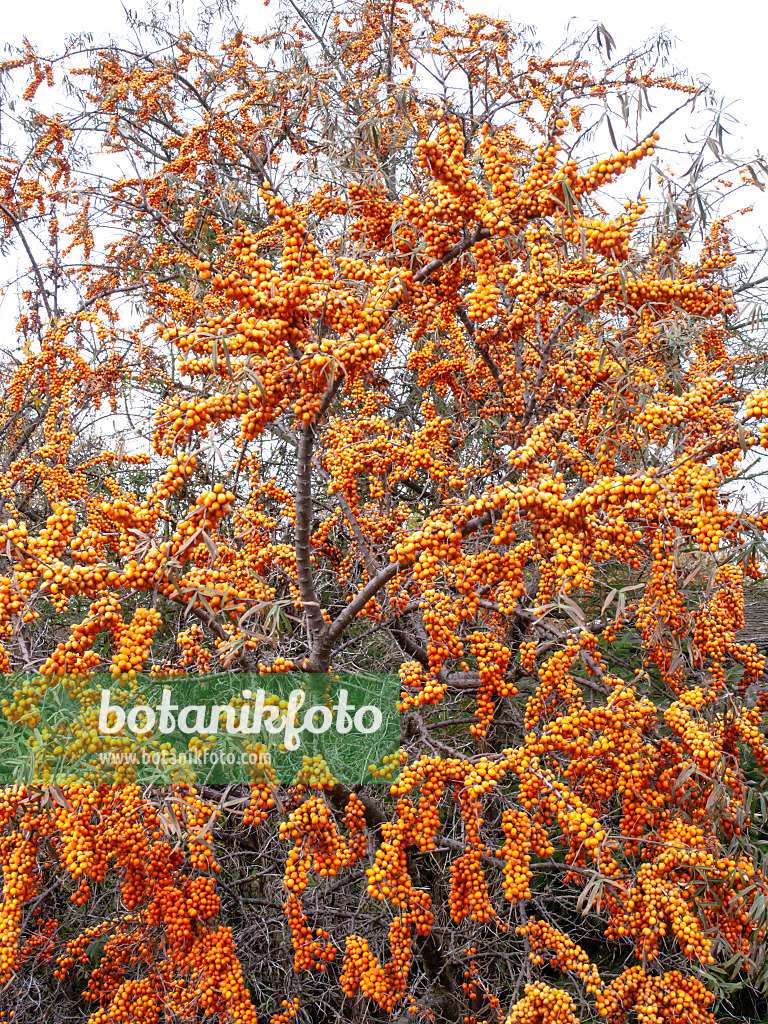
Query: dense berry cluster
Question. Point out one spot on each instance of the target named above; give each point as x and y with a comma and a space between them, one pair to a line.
418, 398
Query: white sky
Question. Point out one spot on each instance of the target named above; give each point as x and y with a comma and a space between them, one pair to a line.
726, 42
727, 48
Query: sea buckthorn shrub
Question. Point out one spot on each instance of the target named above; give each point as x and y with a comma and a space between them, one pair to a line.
422, 354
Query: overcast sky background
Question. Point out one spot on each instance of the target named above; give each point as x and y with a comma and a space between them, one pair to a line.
726, 44
726, 48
